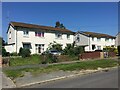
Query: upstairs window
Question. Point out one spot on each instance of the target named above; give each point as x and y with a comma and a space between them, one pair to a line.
58, 35
98, 39
10, 35
106, 39
92, 38
39, 34
68, 36
26, 33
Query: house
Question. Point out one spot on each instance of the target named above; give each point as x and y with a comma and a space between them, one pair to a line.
93, 41
35, 37
117, 40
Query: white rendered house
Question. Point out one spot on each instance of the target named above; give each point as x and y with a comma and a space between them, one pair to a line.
117, 40
93, 41
35, 37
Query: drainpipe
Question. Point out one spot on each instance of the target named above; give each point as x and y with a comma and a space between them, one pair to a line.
16, 40
89, 42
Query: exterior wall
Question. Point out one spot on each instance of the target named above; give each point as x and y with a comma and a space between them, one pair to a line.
117, 40
102, 43
83, 40
13, 35
46, 40
11, 39
88, 42
10, 48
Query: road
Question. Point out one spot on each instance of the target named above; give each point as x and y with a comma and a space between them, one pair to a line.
96, 80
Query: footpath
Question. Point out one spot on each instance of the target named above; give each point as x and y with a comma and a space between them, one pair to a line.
30, 79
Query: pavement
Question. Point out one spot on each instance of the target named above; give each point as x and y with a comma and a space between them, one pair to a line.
107, 79
28, 79
6, 81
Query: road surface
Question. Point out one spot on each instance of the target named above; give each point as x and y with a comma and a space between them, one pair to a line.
104, 79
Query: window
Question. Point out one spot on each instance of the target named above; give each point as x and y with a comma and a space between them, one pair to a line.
39, 34
98, 39
99, 47
78, 38
68, 36
10, 35
58, 35
106, 39
26, 33
27, 45
92, 38
93, 47
39, 48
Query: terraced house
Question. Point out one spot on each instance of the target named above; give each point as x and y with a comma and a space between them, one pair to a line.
35, 37
94, 41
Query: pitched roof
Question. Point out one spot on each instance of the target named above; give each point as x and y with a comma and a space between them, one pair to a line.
26, 25
98, 35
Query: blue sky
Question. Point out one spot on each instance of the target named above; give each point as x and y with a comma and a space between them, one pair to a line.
95, 17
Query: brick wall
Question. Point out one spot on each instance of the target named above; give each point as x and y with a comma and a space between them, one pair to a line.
90, 55
95, 55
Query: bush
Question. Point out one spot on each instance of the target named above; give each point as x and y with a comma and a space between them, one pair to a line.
24, 52
5, 53
14, 54
50, 58
73, 51
119, 50
20, 51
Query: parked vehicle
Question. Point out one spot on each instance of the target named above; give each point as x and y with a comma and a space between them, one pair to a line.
55, 52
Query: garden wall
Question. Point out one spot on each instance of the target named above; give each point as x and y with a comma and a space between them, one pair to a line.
95, 55
90, 55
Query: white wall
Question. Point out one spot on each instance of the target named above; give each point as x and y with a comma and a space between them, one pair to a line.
117, 40
10, 48
47, 39
84, 40
101, 43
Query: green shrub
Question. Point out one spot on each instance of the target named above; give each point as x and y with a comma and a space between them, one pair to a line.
119, 50
4, 52
50, 58
24, 52
14, 54
73, 51
20, 51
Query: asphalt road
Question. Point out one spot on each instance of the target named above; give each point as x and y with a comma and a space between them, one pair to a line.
96, 80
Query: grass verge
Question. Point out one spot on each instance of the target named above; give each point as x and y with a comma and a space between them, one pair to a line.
66, 67
34, 59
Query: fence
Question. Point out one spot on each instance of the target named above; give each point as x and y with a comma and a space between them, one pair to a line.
95, 55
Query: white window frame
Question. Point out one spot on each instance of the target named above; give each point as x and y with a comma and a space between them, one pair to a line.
26, 33
68, 36
58, 37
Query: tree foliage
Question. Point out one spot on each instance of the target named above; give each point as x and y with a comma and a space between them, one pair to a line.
118, 50
73, 50
59, 25
55, 46
24, 52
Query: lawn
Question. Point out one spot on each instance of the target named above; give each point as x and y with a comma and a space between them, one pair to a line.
34, 59
37, 59
65, 67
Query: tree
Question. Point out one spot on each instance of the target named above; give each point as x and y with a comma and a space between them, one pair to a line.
57, 24
55, 46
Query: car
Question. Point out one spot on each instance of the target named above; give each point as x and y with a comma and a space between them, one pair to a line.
55, 52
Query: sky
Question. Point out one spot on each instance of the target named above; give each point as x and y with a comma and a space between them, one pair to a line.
101, 17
